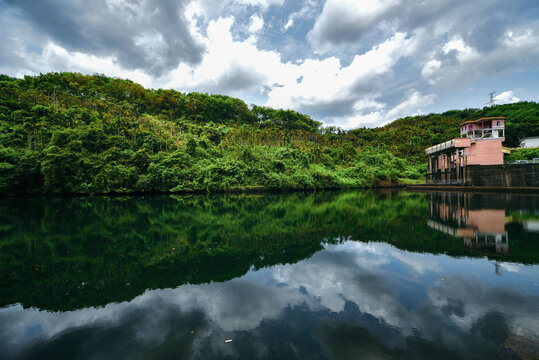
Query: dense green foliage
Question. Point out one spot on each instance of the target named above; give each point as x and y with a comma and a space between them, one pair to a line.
77, 252
522, 154
71, 133
409, 137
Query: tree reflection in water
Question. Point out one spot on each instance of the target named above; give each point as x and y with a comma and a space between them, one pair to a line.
324, 275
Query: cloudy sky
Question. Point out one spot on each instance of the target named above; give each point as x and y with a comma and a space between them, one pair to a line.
349, 63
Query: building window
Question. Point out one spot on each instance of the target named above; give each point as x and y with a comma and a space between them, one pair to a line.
497, 123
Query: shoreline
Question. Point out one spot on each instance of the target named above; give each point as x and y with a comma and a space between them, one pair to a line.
248, 190
261, 190
479, 189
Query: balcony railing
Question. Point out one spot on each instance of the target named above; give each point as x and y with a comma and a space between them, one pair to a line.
489, 133
443, 146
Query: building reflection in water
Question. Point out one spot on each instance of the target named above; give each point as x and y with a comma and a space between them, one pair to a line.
480, 228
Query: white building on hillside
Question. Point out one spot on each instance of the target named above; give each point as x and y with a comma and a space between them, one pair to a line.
531, 142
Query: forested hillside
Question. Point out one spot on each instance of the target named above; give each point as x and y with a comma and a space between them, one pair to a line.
408, 137
73, 133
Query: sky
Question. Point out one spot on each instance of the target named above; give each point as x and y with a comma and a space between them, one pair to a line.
346, 63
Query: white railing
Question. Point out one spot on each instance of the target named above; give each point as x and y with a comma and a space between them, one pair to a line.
443, 146
484, 133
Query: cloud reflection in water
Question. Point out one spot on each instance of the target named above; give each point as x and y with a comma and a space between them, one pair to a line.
348, 300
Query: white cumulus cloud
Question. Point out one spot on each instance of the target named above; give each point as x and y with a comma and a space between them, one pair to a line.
506, 97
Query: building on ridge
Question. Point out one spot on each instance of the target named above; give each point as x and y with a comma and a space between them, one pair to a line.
530, 142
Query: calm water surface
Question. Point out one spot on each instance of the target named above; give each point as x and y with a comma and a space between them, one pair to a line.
334, 275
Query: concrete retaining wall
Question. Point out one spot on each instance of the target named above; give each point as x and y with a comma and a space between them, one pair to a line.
511, 175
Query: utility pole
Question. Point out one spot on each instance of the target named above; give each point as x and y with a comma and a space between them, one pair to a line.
491, 102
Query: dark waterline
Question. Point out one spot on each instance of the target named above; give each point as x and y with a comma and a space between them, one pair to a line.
330, 275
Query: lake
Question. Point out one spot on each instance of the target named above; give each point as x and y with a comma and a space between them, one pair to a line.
329, 275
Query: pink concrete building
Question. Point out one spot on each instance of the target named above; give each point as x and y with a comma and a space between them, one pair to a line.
480, 144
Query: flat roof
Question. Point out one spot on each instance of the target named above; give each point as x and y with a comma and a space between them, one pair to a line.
483, 119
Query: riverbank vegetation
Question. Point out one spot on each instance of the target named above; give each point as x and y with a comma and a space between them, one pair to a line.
70, 133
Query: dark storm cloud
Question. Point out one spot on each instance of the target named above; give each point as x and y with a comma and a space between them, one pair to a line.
239, 78
131, 332
140, 34
366, 88
509, 55
233, 81
338, 26
480, 23
323, 109
473, 295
